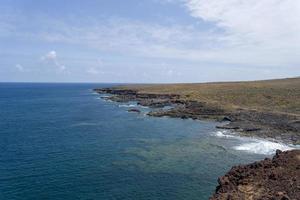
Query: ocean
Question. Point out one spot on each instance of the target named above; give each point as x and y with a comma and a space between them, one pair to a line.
62, 141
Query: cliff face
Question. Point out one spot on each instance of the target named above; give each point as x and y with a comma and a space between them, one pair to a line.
276, 179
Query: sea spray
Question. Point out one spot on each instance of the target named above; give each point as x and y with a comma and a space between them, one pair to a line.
254, 145
260, 146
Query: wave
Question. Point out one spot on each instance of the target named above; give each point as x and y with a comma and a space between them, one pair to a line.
255, 145
224, 134
128, 105
105, 96
263, 147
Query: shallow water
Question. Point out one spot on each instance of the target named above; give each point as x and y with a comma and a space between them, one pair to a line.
61, 141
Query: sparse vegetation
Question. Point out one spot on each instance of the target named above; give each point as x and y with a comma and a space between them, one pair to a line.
280, 95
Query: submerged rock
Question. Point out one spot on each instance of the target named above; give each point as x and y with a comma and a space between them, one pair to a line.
277, 178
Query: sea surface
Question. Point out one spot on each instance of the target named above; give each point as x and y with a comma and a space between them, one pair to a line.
62, 141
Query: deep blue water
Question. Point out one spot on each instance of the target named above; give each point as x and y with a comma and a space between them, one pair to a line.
60, 141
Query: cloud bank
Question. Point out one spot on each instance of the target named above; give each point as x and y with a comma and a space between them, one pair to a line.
266, 31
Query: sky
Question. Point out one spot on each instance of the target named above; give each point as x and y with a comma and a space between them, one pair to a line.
148, 41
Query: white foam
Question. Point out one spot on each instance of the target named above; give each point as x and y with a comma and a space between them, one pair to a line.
127, 105
223, 134
143, 106
255, 145
263, 147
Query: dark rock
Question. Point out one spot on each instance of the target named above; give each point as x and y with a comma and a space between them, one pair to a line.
155, 103
267, 179
134, 110
278, 152
228, 126
251, 129
227, 119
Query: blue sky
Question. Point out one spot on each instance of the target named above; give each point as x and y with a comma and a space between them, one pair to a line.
148, 40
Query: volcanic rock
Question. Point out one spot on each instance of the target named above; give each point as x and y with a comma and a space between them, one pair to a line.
276, 179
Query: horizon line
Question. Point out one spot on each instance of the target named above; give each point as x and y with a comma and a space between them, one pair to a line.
57, 82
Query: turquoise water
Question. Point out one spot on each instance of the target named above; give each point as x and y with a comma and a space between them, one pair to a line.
61, 141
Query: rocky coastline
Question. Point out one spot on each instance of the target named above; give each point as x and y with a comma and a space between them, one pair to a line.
277, 179
279, 126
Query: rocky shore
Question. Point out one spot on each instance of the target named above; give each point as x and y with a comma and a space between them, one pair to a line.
276, 179
279, 126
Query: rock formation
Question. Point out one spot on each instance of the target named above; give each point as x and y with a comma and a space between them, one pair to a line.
269, 179
247, 122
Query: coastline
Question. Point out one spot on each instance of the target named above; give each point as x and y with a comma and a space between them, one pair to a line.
275, 178
271, 178
277, 126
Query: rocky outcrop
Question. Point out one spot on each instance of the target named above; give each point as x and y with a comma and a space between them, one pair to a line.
265, 124
191, 109
115, 91
247, 122
270, 179
155, 103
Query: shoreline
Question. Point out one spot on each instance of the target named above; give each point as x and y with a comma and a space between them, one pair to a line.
275, 178
271, 178
280, 127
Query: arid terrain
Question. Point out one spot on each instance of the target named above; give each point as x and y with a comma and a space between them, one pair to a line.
278, 95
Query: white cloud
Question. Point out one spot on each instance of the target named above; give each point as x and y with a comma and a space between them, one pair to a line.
240, 33
258, 19
19, 67
264, 31
51, 58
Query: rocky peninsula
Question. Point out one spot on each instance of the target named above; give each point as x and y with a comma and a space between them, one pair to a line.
266, 109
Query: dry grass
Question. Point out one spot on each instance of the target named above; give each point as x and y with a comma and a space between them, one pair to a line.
280, 95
